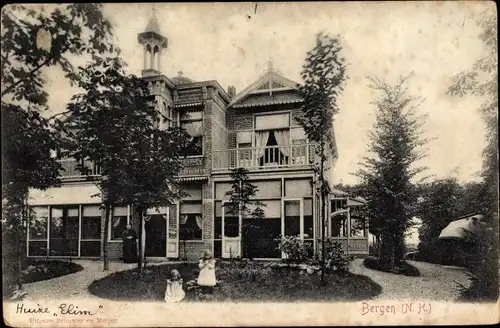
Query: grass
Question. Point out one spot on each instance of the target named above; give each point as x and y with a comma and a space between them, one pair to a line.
239, 282
404, 268
38, 270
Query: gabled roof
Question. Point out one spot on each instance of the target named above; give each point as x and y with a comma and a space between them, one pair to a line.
270, 88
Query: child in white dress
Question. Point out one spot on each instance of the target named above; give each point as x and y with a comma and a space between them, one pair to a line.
206, 277
174, 292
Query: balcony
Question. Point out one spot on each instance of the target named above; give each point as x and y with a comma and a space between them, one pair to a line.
270, 157
70, 169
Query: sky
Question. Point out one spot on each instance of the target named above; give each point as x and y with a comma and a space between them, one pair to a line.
233, 42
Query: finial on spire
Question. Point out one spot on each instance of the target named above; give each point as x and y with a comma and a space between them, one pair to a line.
154, 8
270, 64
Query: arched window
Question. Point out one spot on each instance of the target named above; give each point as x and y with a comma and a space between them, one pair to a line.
156, 58
149, 57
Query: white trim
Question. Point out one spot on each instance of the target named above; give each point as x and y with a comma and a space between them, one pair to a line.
79, 228
49, 219
269, 76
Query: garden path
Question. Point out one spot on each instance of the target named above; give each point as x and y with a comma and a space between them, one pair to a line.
436, 282
74, 286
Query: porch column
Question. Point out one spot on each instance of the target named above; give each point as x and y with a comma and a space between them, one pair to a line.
348, 227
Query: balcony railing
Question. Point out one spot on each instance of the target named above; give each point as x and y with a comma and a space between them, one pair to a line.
271, 157
70, 169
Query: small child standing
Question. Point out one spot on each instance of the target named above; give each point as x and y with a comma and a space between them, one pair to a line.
206, 277
174, 292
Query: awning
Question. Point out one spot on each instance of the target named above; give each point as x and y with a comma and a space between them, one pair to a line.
66, 194
193, 178
457, 229
188, 104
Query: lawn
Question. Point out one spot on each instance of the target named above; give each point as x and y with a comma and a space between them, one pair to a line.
252, 282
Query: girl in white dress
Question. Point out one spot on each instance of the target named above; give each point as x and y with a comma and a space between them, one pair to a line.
174, 292
206, 277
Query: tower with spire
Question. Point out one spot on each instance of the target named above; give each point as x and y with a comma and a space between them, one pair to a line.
153, 43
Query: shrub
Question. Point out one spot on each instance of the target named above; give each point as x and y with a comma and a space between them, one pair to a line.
404, 268
295, 250
336, 259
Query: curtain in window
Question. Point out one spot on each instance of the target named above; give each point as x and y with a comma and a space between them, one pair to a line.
283, 140
198, 221
183, 219
261, 141
193, 128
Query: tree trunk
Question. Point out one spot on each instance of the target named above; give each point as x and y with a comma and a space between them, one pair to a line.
323, 216
399, 251
19, 262
387, 244
142, 257
19, 247
105, 259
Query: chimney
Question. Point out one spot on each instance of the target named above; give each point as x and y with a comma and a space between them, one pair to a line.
231, 91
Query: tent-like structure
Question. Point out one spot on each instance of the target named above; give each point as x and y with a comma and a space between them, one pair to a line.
457, 229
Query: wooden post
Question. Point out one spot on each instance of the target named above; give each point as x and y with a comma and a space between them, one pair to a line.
348, 226
143, 238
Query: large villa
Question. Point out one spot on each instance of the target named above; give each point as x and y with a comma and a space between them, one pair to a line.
255, 129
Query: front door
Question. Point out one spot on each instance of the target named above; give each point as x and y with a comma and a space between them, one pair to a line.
156, 236
231, 235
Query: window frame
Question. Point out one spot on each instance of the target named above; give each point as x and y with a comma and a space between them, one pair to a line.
191, 120
110, 227
197, 201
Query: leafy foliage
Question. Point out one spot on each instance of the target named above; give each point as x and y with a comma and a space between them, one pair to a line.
295, 250
395, 143
441, 202
323, 75
336, 259
74, 30
482, 80
115, 125
35, 37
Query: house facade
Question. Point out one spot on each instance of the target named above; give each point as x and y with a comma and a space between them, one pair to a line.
256, 129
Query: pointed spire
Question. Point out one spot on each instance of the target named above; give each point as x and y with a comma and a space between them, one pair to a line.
153, 25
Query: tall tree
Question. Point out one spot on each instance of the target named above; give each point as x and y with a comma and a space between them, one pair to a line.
387, 176
35, 37
154, 170
242, 206
323, 75
115, 125
482, 80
